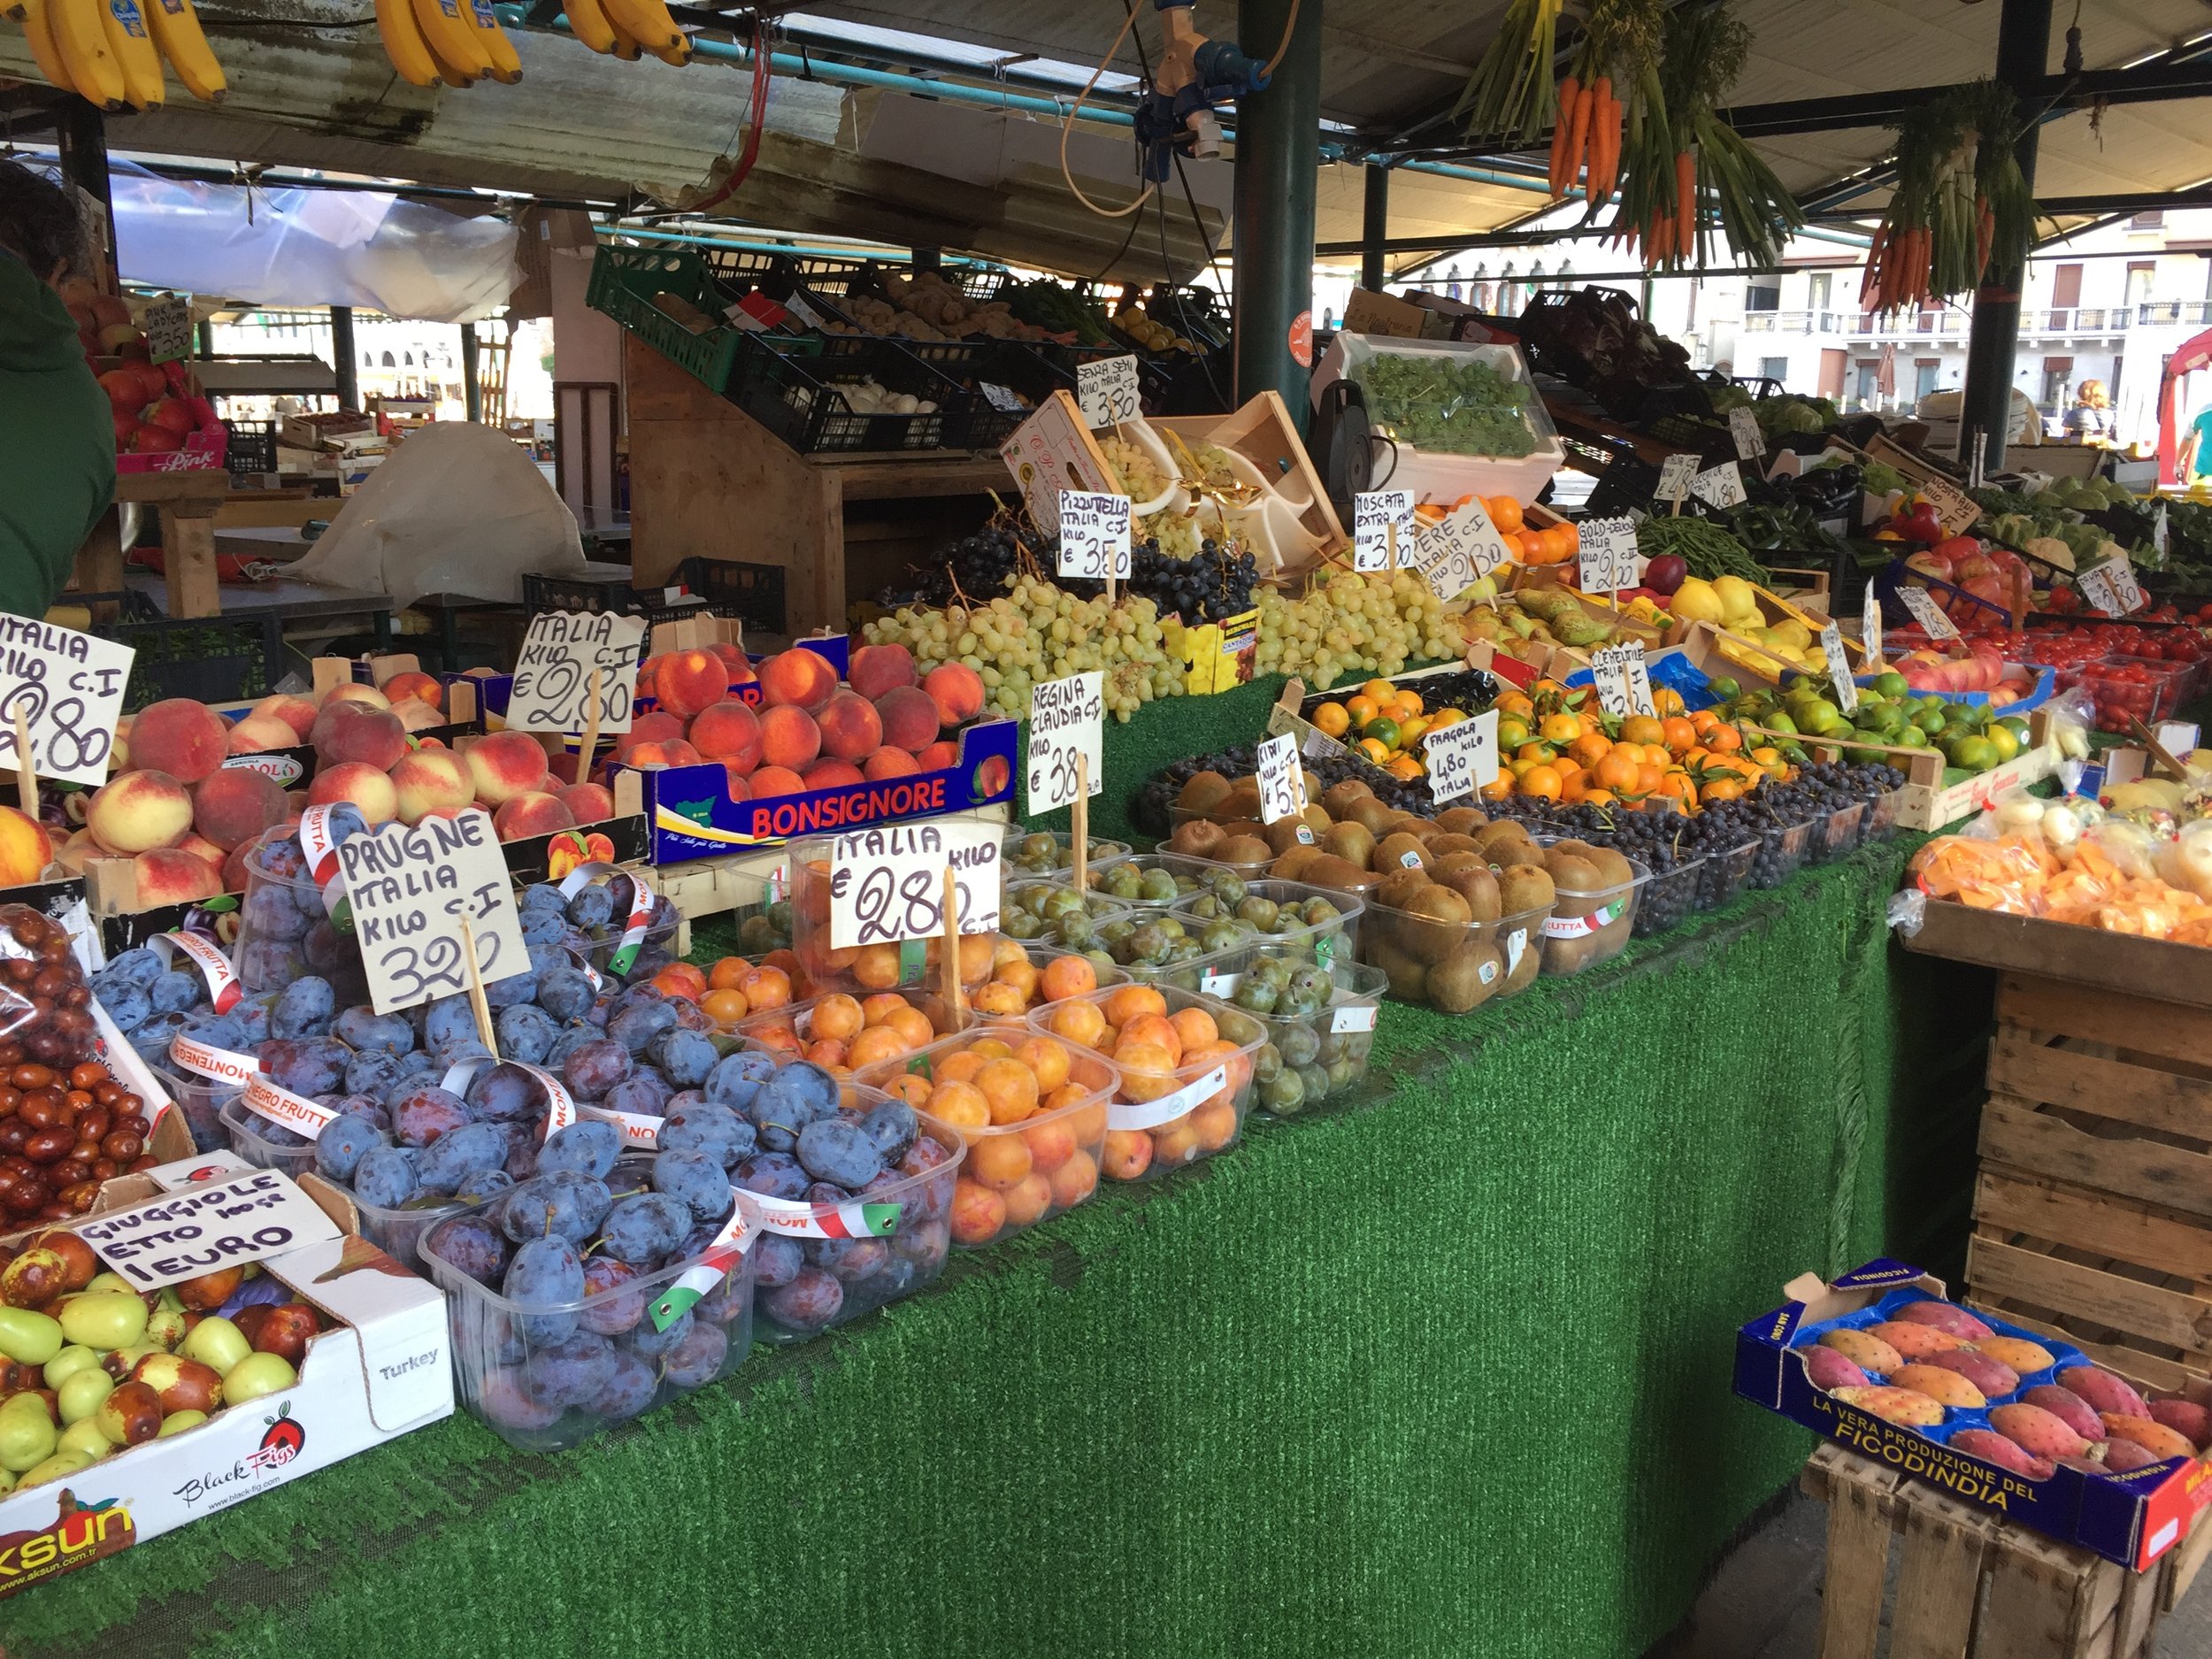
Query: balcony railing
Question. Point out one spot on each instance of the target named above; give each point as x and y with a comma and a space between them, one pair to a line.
1792, 322
2194, 312
1920, 324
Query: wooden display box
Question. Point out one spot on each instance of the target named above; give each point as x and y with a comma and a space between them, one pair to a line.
2044, 1600
1264, 434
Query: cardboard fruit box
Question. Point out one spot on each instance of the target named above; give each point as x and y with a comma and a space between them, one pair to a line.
2132, 1518
382, 1366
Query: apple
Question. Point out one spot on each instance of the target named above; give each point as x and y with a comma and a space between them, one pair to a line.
130, 1416
115, 336
171, 414
125, 391
153, 441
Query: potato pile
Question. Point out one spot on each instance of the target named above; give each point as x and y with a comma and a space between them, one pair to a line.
927, 307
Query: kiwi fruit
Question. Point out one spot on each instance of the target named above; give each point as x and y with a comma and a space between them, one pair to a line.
1399, 851
1468, 978
1434, 923
1614, 868
1569, 847
1197, 836
1317, 817
1523, 957
1341, 795
1286, 833
1339, 875
1290, 860
1461, 821
1371, 814
1409, 979
1576, 877
1203, 793
1350, 841
1398, 887
1505, 842
1408, 824
1445, 843
1244, 849
1467, 875
1524, 887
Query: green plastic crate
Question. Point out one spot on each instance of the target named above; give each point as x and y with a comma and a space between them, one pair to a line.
623, 281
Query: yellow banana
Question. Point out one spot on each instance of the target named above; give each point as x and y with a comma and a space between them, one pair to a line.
624, 47
506, 67
133, 49
588, 22
176, 30
678, 56
647, 23
451, 33
83, 44
44, 52
403, 43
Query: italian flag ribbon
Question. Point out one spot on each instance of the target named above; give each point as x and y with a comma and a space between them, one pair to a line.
723, 1251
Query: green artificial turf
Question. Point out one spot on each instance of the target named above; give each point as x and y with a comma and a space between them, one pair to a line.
1445, 1372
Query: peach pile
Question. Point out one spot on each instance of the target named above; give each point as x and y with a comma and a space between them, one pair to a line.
808, 732
1159, 1056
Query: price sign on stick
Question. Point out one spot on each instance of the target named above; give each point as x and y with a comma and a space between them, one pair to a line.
1675, 473
411, 890
1719, 486
889, 884
552, 690
169, 329
1107, 389
1871, 624
2112, 587
67, 689
1743, 426
1376, 513
1606, 561
1622, 680
1459, 550
1463, 756
1065, 721
1927, 613
1839, 669
1282, 781
1094, 535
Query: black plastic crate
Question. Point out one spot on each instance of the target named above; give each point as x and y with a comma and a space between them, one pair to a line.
1020, 367
590, 596
777, 275
753, 594
209, 659
790, 386
251, 447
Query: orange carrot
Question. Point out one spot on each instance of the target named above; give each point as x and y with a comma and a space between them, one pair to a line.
1685, 201
1985, 234
1605, 148
1870, 284
1577, 139
1562, 139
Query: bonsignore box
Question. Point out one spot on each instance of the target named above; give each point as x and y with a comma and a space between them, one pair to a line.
383, 1368
2132, 1518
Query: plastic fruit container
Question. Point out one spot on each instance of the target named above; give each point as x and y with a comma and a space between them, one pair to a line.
1176, 1103
1264, 914
655, 952
791, 1031
1781, 852
1881, 814
1670, 896
548, 1376
1320, 1025
1588, 927
397, 1233
284, 932
1479, 961
874, 967
1050, 911
202, 1101
1007, 997
1026, 1162
264, 1145
1136, 881
809, 1280
1180, 961
2125, 690
1049, 853
1837, 832
1725, 875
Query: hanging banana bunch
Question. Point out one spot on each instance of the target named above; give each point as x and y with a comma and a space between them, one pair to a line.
111, 52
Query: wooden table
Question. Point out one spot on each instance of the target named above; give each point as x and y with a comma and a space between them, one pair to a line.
187, 500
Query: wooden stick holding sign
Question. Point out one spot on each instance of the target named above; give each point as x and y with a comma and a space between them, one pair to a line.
1390, 546
955, 998
26, 771
1080, 821
478, 1001
591, 731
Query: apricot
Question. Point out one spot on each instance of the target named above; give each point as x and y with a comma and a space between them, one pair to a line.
1078, 1179
1028, 1200
1050, 1143
728, 732
831, 775
850, 727
364, 785
876, 668
961, 1105
876, 967
1176, 1143
533, 813
686, 682
138, 811
166, 875
911, 1023
977, 1213
189, 738
1193, 1027
430, 781
1000, 1001
1011, 1089
959, 1068
765, 987
1157, 1030
957, 691
1067, 976
908, 718
1216, 1125
838, 1016
504, 765
828, 1053
999, 1161
726, 972
1125, 1002
1147, 1070
877, 1044
797, 678
913, 1088
789, 737
1047, 1062
587, 802
1127, 1155
371, 737
1079, 1022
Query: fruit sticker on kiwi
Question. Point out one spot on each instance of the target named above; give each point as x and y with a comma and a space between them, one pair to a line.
184, 1235
1282, 781
887, 884
410, 888
267, 1098
799, 1220
561, 652
1150, 1114
1461, 757
68, 687
723, 1252
222, 989
1066, 725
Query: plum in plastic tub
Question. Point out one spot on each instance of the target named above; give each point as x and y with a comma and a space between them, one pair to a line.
1454, 967
1165, 949
1146, 881
1186, 1067
1591, 924
554, 1342
1288, 917
1032, 1109
823, 1263
284, 931
202, 1101
1320, 1025
1049, 853
1050, 911
655, 952
1725, 875
264, 1145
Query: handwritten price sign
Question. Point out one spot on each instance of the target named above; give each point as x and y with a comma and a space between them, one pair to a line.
1720, 486
1282, 781
1107, 389
1675, 473
1463, 756
1927, 613
1607, 556
552, 691
889, 884
410, 889
2112, 587
1094, 535
1743, 426
69, 688
1374, 514
1847, 689
1066, 720
1622, 680
1459, 550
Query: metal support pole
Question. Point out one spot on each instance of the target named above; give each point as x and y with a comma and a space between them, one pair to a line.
471, 385
206, 340
1278, 159
80, 135
1374, 228
2024, 50
342, 361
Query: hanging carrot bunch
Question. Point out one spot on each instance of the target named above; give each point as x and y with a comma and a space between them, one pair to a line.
1511, 94
1959, 200
1619, 45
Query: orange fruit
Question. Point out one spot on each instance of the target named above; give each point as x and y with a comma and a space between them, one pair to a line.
1724, 739
725, 1007
1195, 1025
1648, 777
1409, 704
1515, 703
1666, 699
1559, 728
1560, 541
727, 973
1721, 789
680, 978
1361, 710
1079, 1021
1617, 771
1375, 749
1010, 1087
1333, 719
1589, 749
1678, 784
1125, 1002
1067, 976
1597, 798
765, 987
1544, 781
1499, 787
836, 1016
1505, 513
1641, 728
1677, 733
1402, 767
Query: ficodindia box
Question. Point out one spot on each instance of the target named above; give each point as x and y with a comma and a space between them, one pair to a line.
383, 1367
2132, 1518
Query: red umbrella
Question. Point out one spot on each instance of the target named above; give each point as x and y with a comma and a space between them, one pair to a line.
2194, 354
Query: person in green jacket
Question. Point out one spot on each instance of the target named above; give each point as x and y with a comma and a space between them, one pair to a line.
56, 432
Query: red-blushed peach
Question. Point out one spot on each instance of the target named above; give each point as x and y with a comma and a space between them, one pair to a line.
296, 712
120, 756
504, 765
877, 669
733, 660
522, 816
296, 801
729, 732
742, 672
139, 812
831, 775
800, 678
235, 805
354, 691
167, 876
939, 756
673, 752
365, 785
654, 728
851, 729
201, 849
587, 802
25, 847
789, 736
909, 718
189, 738
77, 851
957, 691
734, 782
258, 733
685, 682
413, 684
888, 763
347, 731
561, 768
414, 715
430, 781
768, 782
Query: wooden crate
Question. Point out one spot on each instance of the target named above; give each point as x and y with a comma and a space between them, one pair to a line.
1971, 1586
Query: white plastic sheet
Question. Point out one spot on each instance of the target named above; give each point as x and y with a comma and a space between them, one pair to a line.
312, 248
456, 509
